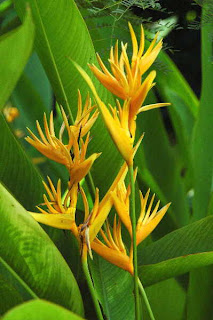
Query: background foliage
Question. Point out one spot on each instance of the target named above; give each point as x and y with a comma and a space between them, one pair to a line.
176, 161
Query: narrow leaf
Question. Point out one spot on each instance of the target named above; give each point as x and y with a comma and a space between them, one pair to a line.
15, 49
178, 252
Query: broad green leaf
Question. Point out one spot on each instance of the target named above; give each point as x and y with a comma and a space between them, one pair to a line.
115, 289
15, 48
167, 300
8, 290
172, 87
159, 159
178, 252
30, 261
40, 310
32, 95
62, 34
200, 306
17, 171
203, 135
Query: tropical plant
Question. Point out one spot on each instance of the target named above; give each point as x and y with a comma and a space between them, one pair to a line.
94, 240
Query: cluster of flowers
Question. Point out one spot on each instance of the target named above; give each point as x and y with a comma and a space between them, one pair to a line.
124, 81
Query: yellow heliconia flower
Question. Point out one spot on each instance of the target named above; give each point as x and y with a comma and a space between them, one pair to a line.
94, 221
79, 166
53, 147
113, 249
59, 213
84, 121
125, 79
48, 144
73, 154
116, 121
148, 219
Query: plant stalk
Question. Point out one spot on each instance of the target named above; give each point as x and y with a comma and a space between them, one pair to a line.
143, 293
90, 184
134, 244
90, 285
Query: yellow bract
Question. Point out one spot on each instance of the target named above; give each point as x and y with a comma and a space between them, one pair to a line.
116, 121
59, 213
125, 79
149, 218
113, 250
72, 154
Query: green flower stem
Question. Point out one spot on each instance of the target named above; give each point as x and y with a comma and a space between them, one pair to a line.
91, 185
91, 288
143, 293
135, 258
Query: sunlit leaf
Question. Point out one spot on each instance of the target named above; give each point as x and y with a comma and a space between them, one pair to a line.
30, 261
40, 310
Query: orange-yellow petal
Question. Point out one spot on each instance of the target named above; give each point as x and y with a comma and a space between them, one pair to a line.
115, 257
147, 228
60, 221
80, 170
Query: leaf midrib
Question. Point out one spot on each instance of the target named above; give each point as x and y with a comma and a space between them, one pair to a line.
17, 277
54, 63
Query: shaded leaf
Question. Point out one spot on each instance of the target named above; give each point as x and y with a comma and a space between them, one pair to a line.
203, 135
167, 300
15, 48
16, 170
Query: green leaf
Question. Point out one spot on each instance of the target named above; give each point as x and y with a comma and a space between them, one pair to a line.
15, 48
178, 252
30, 261
115, 289
61, 33
167, 300
173, 88
7, 290
200, 305
17, 171
40, 310
203, 134
160, 161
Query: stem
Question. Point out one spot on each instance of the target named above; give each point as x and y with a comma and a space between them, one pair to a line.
143, 293
134, 244
90, 285
91, 185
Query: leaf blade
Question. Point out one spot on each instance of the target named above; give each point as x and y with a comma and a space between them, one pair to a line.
30, 253
20, 42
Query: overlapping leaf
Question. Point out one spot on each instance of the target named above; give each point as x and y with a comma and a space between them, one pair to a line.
15, 49
178, 252
62, 34
40, 310
30, 262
